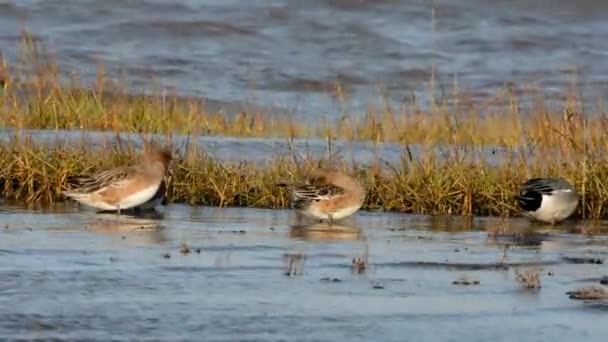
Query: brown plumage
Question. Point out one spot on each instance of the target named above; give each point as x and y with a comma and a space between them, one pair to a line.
123, 187
328, 194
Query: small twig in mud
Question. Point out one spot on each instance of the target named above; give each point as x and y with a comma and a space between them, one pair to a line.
465, 281
503, 259
359, 265
184, 249
589, 293
529, 279
295, 264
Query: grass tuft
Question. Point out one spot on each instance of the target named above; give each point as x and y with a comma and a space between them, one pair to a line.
529, 279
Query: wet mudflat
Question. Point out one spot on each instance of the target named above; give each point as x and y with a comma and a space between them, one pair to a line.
248, 274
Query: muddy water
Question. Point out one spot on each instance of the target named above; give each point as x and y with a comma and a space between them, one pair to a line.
291, 53
73, 275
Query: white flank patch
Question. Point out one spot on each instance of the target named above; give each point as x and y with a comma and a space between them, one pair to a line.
555, 208
133, 200
139, 197
87, 199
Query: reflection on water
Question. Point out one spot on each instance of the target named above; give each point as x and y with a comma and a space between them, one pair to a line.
324, 231
67, 273
446, 222
528, 237
140, 230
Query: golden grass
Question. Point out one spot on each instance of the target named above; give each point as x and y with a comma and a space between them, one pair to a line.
37, 173
535, 140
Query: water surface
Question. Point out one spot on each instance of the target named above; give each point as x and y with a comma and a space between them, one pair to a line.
291, 53
262, 150
74, 274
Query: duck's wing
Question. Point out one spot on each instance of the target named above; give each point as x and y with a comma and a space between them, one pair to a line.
545, 186
116, 178
316, 192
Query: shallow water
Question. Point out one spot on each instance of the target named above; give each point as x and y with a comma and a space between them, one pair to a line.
74, 274
290, 53
261, 150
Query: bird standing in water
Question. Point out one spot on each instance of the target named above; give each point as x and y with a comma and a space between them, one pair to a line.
328, 194
124, 187
550, 200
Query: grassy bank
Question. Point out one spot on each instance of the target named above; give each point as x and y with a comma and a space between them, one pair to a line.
431, 184
566, 142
